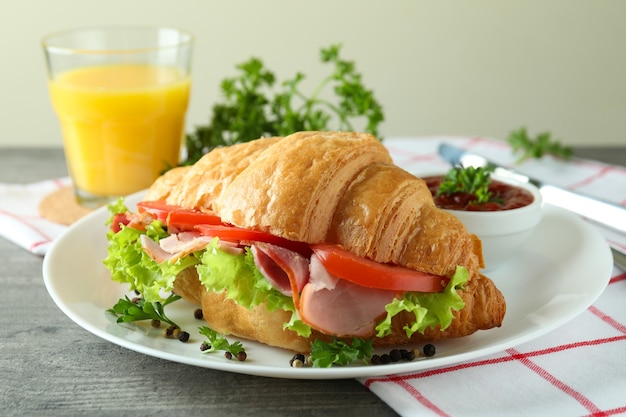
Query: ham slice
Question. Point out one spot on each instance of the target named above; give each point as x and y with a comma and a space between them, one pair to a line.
286, 270
153, 250
184, 243
178, 245
339, 307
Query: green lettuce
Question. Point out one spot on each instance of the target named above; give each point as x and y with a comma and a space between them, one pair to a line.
238, 275
430, 309
129, 264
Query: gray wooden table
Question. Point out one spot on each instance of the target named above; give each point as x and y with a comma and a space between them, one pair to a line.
50, 366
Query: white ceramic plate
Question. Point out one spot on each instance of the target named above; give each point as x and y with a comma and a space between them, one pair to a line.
559, 273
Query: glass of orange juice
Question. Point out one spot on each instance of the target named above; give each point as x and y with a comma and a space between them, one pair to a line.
120, 94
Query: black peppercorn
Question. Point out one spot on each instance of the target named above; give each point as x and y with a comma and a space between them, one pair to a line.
169, 332
395, 355
297, 357
429, 350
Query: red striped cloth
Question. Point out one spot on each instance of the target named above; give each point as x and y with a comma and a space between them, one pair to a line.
20, 221
577, 370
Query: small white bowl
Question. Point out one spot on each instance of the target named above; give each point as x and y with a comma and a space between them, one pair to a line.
504, 232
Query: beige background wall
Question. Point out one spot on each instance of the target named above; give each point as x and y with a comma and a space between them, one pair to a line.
480, 67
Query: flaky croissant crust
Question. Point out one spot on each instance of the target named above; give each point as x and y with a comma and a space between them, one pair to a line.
333, 187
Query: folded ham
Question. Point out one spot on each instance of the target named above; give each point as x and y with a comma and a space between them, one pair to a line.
329, 187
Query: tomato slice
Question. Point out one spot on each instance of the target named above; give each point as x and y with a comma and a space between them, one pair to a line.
188, 219
177, 217
158, 209
367, 273
238, 234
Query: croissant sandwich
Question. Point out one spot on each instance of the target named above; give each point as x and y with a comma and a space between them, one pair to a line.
314, 236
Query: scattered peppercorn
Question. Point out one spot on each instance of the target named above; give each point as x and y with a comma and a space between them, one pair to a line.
155, 323
297, 357
172, 332
429, 350
397, 355
408, 355
228, 355
183, 337
242, 356
205, 346
198, 313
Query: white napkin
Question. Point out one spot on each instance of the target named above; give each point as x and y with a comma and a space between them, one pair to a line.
20, 221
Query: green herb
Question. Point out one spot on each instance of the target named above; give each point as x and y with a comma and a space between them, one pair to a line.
339, 352
542, 144
467, 180
252, 108
127, 311
217, 341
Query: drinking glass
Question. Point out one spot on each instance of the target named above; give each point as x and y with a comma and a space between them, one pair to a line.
121, 95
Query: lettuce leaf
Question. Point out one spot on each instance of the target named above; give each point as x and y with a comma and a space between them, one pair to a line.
430, 309
221, 271
129, 264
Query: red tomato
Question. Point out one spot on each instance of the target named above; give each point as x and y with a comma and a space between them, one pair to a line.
119, 220
177, 217
238, 234
158, 209
367, 273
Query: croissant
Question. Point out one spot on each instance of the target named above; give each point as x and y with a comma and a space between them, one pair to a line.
329, 187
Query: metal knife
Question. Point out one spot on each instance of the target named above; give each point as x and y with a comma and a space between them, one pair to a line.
602, 212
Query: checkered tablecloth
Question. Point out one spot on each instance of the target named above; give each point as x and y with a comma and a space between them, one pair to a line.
577, 370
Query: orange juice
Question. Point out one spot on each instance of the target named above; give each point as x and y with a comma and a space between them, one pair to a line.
122, 124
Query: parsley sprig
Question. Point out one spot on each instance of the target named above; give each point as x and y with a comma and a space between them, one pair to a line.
472, 180
252, 109
338, 352
216, 341
542, 144
128, 310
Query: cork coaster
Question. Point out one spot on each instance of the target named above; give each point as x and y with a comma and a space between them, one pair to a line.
61, 207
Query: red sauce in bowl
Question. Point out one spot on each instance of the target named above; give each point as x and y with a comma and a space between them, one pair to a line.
504, 196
